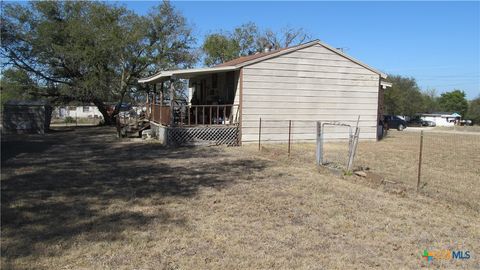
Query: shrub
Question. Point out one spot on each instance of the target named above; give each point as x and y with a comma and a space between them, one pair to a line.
69, 119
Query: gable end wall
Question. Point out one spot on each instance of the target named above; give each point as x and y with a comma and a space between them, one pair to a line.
312, 84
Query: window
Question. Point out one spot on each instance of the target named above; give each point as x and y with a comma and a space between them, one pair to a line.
86, 109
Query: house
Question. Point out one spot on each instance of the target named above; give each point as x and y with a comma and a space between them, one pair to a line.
304, 83
26, 117
442, 119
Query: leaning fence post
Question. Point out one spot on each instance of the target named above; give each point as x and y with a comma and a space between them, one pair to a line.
353, 149
259, 132
289, 135
420, 161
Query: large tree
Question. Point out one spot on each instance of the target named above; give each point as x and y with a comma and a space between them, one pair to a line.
473, 112
404, 97
430, 101
454, 101
92, 51
220, 48
15, 84
247, 39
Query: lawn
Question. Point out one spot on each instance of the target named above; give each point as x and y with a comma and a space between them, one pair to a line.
84, 200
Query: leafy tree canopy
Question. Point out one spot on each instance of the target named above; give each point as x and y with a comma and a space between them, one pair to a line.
404, 97
454, 101
90, 51
473, 112
15, 84
247, 39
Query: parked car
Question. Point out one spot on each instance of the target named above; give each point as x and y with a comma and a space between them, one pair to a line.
466, 123
429, 123
418, 122
396, 122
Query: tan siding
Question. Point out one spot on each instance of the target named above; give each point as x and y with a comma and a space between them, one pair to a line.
309, 67
311, 80
309, 74
289, 59
350, 99
307, 85
286, 88
324, 117
310, 106
294, 93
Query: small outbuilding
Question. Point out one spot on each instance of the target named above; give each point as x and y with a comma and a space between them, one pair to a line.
26, 117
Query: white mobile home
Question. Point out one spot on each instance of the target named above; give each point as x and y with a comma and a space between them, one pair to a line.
308, 82
85, 111
442, 119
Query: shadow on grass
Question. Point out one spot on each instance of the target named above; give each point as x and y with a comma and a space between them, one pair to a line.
86, 183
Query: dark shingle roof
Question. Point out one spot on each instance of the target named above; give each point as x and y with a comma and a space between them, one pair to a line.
247, 58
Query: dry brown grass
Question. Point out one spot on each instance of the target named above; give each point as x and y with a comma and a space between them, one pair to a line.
475, 128
84, 200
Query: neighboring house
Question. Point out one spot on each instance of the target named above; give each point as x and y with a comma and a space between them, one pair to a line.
26, 117
84, 111
442, 119
311, 82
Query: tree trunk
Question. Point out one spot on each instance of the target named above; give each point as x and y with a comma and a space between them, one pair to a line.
109, 119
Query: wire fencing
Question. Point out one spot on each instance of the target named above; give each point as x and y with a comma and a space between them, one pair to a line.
449, 167
438, 163
295, 137
443, 165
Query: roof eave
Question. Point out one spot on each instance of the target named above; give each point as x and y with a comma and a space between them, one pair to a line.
309, 44
382, 75
273, 55
184, 73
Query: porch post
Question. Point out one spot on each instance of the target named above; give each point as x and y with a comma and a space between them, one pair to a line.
147, 104
154, 93
154, 101
172, 89
161, 102
161, 94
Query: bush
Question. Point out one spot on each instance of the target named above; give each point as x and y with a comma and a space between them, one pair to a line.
69, 119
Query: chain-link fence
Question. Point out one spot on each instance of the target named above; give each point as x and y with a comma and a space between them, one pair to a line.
295, 137
448, 169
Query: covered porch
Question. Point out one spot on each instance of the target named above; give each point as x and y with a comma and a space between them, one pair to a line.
211, 97
207, 109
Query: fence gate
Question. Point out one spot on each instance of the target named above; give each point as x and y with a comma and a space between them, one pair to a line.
203, 135
342, 144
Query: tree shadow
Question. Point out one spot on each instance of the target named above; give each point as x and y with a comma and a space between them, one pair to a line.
88, 183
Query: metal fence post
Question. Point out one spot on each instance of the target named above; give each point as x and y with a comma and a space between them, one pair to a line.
353, 149
319, 144
420, 161
259, 133
289, 135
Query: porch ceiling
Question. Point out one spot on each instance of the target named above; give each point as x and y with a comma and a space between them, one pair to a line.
184, 74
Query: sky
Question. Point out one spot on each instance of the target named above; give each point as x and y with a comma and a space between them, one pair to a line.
437, 43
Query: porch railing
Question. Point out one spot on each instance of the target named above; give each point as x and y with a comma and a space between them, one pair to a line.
159, 114
192, 115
